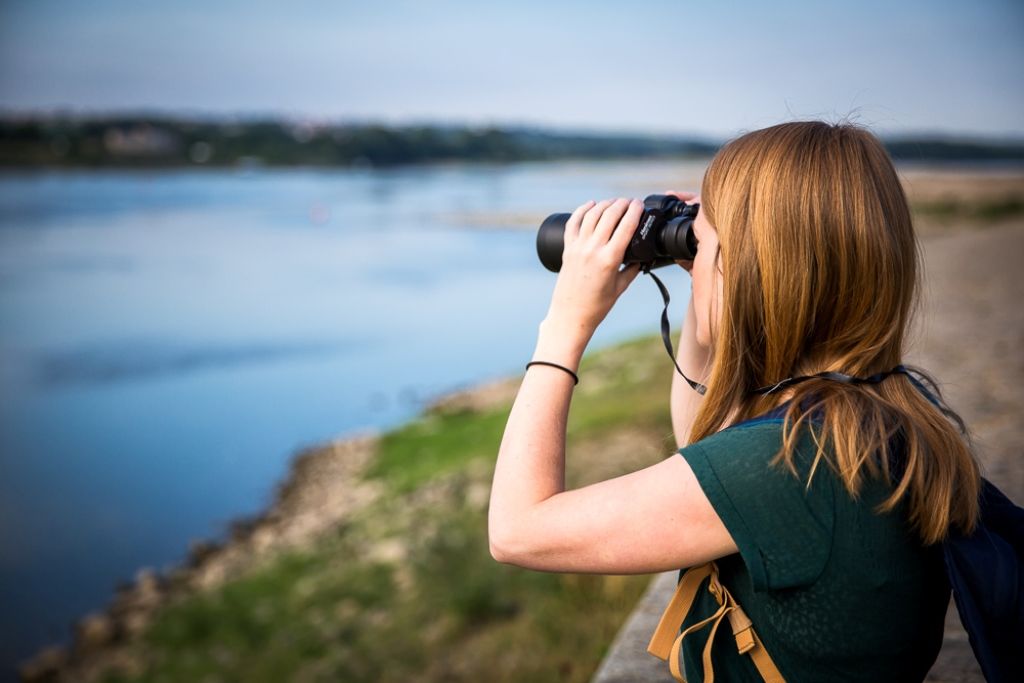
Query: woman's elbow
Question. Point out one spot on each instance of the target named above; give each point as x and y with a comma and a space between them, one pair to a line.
499, 550
505, 544
497, 553
497, 541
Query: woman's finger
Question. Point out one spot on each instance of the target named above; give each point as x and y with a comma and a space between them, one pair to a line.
627, 226
686, 197
572, 226
609, 220
591, 217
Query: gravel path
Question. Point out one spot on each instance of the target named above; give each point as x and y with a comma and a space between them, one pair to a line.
971, 340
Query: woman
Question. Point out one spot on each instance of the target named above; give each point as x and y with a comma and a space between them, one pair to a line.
822, 500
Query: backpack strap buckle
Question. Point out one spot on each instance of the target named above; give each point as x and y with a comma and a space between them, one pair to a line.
742, 629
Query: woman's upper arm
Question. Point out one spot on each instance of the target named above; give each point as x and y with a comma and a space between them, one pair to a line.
652, 520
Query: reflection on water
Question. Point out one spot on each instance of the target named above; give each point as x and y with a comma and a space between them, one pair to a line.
135, 360
168, 340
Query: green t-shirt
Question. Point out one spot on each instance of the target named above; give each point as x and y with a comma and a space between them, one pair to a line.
835, 591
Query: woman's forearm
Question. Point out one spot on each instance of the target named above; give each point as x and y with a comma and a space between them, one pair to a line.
694, 360
531, 458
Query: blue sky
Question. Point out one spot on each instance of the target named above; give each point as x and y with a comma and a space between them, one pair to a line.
711, 68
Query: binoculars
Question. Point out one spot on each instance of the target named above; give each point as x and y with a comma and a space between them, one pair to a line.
663, 235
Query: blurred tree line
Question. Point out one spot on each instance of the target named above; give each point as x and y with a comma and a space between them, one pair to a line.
153, 141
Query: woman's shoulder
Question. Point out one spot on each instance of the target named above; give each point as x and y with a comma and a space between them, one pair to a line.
762, 434
781, 520
786, 515
747, 454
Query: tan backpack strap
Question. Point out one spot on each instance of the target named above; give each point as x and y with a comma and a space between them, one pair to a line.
765, 666
666, 642
709, 669
678, 607
673, 660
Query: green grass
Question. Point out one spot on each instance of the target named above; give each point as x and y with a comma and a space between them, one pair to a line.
435, 444
448, 611
624, 385
326, 615
268, 625
976, 211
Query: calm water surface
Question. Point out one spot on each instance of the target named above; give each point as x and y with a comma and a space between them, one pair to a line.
169, 340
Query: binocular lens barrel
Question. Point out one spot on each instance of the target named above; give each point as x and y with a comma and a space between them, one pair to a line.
551, 240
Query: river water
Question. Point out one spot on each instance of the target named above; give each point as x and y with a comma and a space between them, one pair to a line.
169, 340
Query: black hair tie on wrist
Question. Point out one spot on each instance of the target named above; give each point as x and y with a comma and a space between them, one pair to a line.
576, 379
771, 388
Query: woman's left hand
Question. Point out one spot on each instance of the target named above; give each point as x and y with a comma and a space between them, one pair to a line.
590, 282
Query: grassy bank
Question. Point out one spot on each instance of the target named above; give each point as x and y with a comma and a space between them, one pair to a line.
406, 586
955, 212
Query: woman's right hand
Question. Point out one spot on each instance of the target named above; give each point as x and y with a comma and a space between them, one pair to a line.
689, 198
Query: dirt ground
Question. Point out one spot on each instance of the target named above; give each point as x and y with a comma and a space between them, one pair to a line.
972, 341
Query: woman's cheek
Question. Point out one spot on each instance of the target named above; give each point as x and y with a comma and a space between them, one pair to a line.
698, 301
700, 311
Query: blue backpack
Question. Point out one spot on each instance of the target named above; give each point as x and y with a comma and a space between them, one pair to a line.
986, 575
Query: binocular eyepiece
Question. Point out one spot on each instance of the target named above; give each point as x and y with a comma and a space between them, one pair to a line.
663, 235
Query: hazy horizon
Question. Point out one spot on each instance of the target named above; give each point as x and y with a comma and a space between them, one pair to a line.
646, 68
253, 117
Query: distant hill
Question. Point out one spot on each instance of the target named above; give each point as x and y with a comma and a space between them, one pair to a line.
923, 148
156, 141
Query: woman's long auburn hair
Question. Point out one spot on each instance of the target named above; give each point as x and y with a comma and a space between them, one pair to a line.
820, 272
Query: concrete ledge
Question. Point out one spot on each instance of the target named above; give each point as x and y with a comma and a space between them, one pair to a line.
627, 660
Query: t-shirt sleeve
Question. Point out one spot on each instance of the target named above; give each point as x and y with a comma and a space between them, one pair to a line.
783, 529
